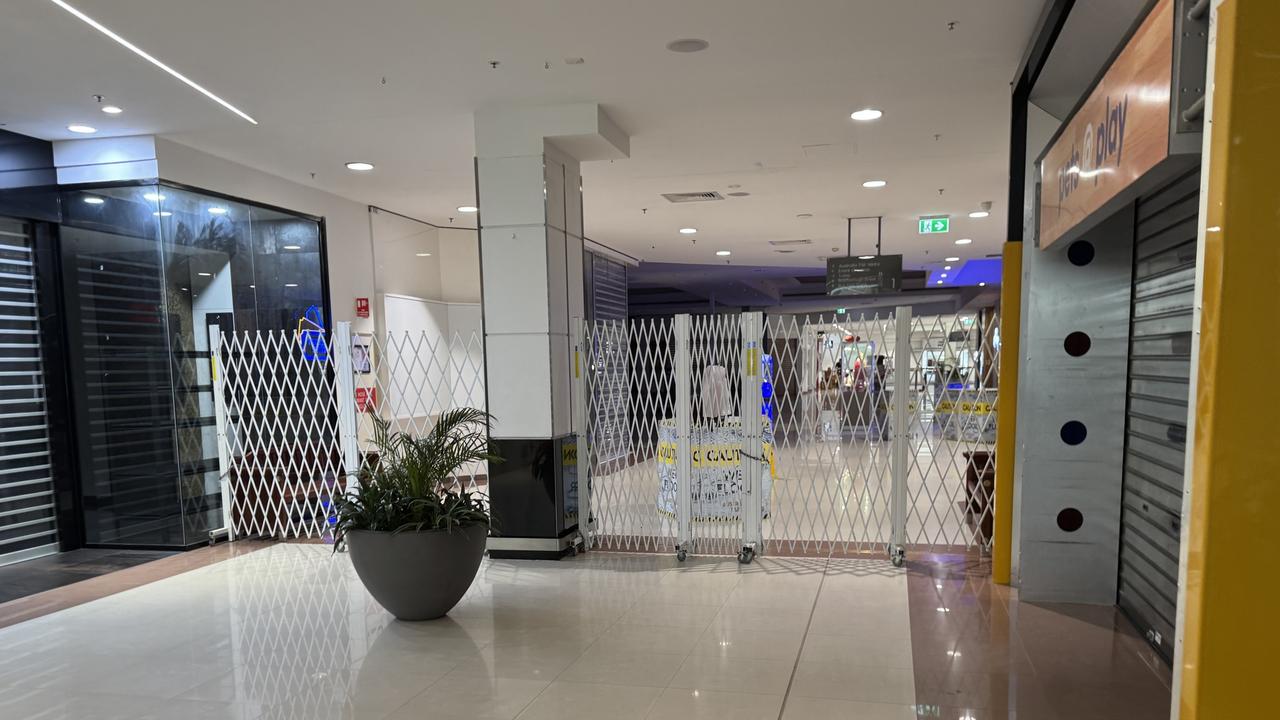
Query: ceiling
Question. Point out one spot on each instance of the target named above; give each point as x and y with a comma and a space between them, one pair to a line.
395, 83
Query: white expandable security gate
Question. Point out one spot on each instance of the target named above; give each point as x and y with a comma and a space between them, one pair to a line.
791, 435
296, 415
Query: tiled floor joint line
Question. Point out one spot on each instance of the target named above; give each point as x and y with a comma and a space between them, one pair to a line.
804, 638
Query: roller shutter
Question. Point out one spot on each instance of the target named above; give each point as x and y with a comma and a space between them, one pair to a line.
1159, 373
28, 517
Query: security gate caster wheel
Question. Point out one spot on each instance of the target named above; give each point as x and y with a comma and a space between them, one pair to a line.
682, 554
746, 555
898, 556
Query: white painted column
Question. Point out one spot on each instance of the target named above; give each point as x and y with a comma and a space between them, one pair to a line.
531, 253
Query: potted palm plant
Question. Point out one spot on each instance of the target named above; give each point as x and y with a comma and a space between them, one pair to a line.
416, 536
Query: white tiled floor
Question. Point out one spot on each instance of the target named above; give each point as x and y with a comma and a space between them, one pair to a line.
289, 632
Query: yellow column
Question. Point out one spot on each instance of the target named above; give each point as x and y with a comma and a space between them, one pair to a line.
1231, 634
1007, 410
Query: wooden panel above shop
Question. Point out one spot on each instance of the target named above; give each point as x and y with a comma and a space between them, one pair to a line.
1118, 134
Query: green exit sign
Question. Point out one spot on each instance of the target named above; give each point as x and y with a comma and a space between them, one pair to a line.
931, 225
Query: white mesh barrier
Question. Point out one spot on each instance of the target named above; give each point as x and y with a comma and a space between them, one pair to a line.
411, 378
298, 411
630, 392
839, 476
283, 450
951, 468
832, 381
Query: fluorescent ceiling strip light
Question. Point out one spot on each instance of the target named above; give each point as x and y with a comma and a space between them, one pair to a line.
146, 56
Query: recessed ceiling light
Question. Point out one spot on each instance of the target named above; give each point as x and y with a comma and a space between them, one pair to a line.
982, 284
953, 259
292, 247
964, 241
946, 267
112, 109
291, 284
253, 286
91, 200
866, 114
217, 211
82, 129
688, 45
468, 209
804, 216
866, 257
153, 197
688, 231
162, 213
205, 274
360, 166
145, 56
979, 214
723, 253
874, 184
943, 275
423, 254
186, 290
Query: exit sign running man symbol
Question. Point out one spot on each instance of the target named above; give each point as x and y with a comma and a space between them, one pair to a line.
932, 225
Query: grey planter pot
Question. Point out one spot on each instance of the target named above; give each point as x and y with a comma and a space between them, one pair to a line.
418, 575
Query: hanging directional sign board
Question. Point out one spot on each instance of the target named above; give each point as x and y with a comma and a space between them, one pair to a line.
856, 276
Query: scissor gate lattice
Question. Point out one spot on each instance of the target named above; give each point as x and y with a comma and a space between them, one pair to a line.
874, 432
297, 411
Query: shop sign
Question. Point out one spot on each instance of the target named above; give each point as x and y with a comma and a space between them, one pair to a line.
362, 307
931, 225
366, 399
1116, 136
856, 276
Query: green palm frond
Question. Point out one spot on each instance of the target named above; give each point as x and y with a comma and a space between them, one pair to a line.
410, 485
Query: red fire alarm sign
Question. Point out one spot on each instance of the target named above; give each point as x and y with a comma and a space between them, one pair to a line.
362, 307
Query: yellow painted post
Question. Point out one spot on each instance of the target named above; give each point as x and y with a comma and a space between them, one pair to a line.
1232, 588
1007, 410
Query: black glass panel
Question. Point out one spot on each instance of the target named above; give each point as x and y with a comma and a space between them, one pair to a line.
148, 272
118, 331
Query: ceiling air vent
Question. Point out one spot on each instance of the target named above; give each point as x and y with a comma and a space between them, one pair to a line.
784, 252
785, 243
692, 197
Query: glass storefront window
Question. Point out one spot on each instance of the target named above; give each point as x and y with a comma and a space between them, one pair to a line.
148, 272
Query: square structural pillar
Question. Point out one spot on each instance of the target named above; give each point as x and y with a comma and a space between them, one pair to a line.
531, 255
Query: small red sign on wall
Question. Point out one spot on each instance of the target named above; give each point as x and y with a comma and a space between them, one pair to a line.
362, 307
366, 399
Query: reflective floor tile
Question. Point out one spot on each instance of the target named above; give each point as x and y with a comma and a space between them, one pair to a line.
470, 697
807, 708
623, 667
757, 644
734, 674
588, 701
691, 704
865, 683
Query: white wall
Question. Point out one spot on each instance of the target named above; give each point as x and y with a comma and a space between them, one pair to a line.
459, 265
450, 274
398, 247
347, 233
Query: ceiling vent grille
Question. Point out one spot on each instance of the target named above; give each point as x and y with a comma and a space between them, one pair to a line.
785, 243
784, 252
692, 197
